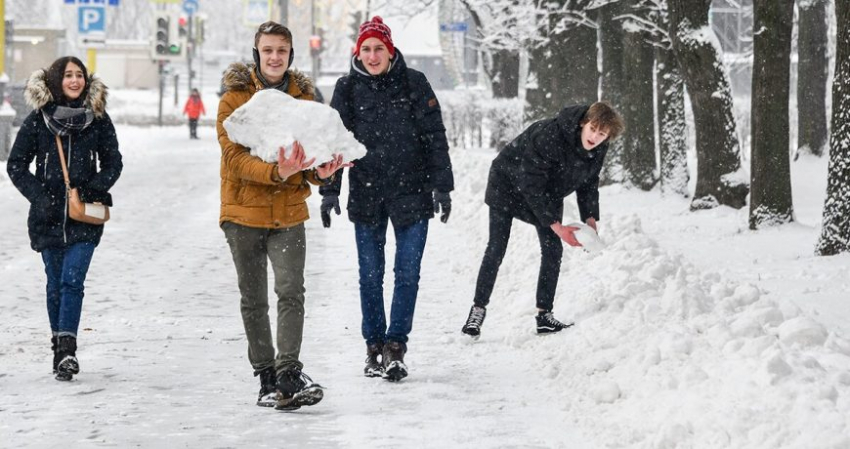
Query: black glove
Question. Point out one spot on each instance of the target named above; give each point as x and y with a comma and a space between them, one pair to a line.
443, 201
329, 202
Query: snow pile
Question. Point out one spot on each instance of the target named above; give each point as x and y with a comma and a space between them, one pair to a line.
663, 355
271, 119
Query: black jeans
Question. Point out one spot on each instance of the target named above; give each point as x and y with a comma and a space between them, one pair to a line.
193, 128
551, 251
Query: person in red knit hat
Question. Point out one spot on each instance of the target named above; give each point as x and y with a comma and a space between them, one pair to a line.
405, 178
377, 29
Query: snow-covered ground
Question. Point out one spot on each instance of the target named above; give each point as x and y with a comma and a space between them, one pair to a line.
692, 331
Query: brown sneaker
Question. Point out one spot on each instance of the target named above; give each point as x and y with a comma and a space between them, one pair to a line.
373, 368
393, 359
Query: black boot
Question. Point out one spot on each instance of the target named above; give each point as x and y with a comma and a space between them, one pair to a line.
54, 345
67, 355
393, 359
268, 382
295, 389
373, 367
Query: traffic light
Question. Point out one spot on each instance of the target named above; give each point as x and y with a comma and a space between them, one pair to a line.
183, 28
315, 45
167, 42
161, 36
356, 20
200, 23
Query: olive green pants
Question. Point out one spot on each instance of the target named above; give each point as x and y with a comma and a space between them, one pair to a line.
252, 248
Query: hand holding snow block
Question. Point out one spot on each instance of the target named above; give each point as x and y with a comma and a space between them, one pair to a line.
588, 237
272, 119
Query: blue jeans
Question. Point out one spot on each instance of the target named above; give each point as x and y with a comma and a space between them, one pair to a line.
66, 270
410, 245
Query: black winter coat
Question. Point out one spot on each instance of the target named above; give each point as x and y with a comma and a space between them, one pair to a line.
397, 118
97, 144
532, 175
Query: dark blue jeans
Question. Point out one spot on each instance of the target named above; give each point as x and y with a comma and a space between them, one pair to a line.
66, 270
410, 245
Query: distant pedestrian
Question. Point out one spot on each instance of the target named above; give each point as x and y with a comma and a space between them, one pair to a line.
194, 108
69, 105
405, 178
529, 180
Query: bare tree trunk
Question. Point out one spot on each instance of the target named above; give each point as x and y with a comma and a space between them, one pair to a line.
565, 68
812, 76
673, 130
720, 180
611, 42
504, 73
770, 169
638, 111
835, 233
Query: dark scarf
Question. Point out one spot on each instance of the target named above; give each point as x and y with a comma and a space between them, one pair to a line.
283, 86
65, 120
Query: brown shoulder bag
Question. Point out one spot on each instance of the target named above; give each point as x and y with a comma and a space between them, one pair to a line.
91, 213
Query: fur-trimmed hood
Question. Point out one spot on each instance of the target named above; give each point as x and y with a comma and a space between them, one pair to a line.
240, 76
37, 95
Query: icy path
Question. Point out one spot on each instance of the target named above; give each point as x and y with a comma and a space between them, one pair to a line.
164, 358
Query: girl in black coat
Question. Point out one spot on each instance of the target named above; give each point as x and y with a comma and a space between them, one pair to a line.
405, 177
69, 104
529, 180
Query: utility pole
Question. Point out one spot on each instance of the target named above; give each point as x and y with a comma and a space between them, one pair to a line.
190, 49
284, 12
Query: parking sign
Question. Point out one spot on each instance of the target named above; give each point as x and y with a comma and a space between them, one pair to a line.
91, 20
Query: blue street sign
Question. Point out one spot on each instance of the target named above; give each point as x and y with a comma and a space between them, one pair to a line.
91, 19
454, 26
93, 2
190, 6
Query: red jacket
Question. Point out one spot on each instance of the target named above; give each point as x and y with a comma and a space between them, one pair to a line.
194, 107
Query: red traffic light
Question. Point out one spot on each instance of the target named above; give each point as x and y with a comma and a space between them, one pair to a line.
181, 21
315, 43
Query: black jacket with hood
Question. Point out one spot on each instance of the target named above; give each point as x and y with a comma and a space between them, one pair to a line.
532, 175
94, 165
397, 118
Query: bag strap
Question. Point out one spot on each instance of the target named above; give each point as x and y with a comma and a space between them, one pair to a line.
62, 160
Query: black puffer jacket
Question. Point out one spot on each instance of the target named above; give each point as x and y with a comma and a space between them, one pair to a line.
533, 174
397, 118
97, 144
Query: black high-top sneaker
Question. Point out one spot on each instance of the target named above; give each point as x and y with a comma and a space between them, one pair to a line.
268, 387
474, 322
54, 346
67, 354
296, 389
393, 360
373, 367
547, 324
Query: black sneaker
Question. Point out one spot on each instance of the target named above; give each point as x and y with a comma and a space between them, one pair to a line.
474, 322
296, 389
268, 387
393, 360
547, 324
373, 367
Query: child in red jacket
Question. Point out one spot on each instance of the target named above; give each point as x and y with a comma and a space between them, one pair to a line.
194, 108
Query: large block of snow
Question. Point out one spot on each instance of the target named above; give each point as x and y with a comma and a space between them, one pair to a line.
272, 119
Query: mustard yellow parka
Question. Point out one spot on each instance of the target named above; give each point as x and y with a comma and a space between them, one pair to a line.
251, 195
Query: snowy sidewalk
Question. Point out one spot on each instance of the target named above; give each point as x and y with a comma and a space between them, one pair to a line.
163, 354
691, 332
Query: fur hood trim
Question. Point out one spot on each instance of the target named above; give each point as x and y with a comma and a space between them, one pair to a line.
239, 76
37, 95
